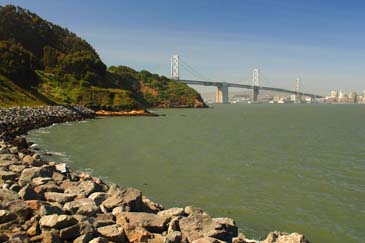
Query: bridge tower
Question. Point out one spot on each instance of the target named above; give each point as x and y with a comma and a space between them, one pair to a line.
255, 85
175, 67
221, 96
298, 98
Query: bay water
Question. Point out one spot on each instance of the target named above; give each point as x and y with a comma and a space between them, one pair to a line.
270, 167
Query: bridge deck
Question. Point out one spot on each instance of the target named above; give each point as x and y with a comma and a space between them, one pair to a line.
246, 86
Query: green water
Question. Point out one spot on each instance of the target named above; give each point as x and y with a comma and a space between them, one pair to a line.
270, 167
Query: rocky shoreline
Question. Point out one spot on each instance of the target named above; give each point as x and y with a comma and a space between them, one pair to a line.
18, 120
125, 113
47, 202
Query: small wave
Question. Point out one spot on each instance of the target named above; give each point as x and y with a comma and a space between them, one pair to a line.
34, 146
86, 170
44, 131
59, 154
66, 160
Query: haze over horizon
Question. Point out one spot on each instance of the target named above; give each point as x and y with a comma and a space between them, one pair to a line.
320, 42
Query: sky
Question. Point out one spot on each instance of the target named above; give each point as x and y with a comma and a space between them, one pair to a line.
322, 42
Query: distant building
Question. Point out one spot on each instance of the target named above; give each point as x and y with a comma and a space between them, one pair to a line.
333, 98
276, 99
308, 99
341, 95
353, 97
334, 94
361, 99
281, 100
293, 98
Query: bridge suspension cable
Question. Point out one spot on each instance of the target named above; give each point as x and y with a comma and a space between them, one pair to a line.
298, 85
193, 71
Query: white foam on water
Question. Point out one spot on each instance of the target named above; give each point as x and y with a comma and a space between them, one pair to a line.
59, 154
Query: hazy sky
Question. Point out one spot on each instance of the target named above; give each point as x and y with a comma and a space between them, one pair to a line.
321, 42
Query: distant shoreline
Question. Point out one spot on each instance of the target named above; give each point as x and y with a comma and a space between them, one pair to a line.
125, 113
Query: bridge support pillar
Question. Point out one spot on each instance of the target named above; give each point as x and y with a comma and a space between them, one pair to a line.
222, 94
255, 93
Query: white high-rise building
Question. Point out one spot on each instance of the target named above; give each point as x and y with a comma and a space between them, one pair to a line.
334, 94
341, 95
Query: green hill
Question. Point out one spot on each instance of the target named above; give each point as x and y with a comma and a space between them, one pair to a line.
43, 63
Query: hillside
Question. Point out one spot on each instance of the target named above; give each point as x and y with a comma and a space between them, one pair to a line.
43, 63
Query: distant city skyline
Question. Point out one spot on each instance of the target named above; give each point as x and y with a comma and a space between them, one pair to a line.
320, 42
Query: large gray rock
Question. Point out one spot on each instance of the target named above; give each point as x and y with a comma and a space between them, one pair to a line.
120, 209
7, 175
58, 177
20, 142
16, 168
130, 197
199, 225
40, 180
172, 212
241, 238
174, 225
6, 216
59, 197
70, 233
282, 237
8, 196
57, 221
114, 189
190, 210
83, 188
4, 150
152, 222
113, 233
28, 159
98, 197
207, 240
62, 168
85, 238
50, 236
136, 233
85, 206
149, 206
99, 240
18, 237
48, 187
174, 237
21, 209
29, 173
28, 193
103, 220
48, 209
228, 224
8, 157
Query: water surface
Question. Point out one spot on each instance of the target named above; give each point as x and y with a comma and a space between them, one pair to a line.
270, 167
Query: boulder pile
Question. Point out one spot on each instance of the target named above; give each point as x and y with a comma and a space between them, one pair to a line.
44, 201
19, 120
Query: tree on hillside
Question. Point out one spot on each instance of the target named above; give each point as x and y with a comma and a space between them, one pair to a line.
17, 63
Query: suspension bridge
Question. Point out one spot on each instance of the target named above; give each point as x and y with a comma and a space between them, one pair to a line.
222, 95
